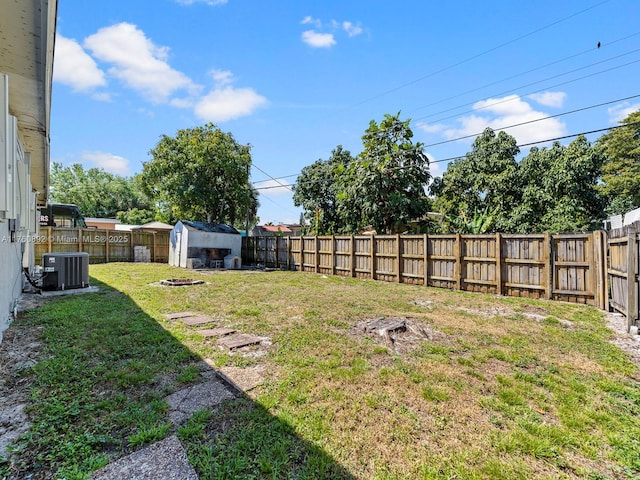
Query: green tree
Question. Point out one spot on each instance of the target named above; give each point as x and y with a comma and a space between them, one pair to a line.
485, 180
136, 216
97, 193
385, 184
317, 189
560, 192
621, 170
200, 174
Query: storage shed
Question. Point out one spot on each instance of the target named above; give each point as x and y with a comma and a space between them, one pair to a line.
205, 245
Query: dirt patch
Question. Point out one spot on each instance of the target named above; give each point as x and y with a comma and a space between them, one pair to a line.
19, 351
535, 313
626, 341
399, 335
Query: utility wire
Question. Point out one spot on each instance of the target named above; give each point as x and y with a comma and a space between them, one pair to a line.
530, 84
275, 180
564, 137
281, 185
533, 121
453, 97
473, 57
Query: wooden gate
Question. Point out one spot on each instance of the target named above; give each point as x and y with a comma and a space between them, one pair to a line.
622, 269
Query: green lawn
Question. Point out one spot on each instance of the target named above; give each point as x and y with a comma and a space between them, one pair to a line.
497, 388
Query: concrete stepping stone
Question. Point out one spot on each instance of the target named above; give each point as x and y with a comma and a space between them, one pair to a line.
175, 316
165, 459
238, 341
244, 379
203, 396
197, 320
216, 332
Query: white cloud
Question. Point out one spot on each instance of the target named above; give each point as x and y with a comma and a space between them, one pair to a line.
309, 20
101, 97
74, 67
222, 77
621, 111
318, 40
351, 29
499, 113
431, 128
109, 162
549, 99
225, 102
138, 62
207, 2
323, 33
273, 187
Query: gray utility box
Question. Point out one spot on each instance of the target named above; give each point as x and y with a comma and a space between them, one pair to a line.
63, 271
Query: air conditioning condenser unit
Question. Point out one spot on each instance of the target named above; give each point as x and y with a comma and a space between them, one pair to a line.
63, 271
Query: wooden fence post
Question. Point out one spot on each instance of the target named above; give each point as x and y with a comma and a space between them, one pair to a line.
106, 246
605, 269
632, 271
333, 254
426, 260
548, 253
317, 242
399, 259
598, 254
457, 269
372, 251
499, 264
80, 245
49, 239
353, 256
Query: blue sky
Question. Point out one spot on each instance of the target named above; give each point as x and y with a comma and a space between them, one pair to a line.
296, 78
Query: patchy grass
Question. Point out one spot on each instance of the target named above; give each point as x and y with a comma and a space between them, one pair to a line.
505, 388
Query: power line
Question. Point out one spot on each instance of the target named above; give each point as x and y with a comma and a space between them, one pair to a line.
473, 57
275, 180
535, 91
546, 141
453, 97
533, 121
564, 137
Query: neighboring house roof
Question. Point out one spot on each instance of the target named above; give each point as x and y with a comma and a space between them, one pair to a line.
156, 226
275, 228
101, 220
26, 55
210, 227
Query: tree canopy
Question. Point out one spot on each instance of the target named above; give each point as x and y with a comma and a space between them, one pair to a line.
201, 174
621, 169
317, 189
484, 182
96, 193
384, 186
552, 189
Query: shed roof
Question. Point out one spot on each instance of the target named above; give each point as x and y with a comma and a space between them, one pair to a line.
211, 227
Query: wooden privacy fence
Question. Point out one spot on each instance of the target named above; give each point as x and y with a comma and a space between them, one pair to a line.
568, 267
623, 269
104, 245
